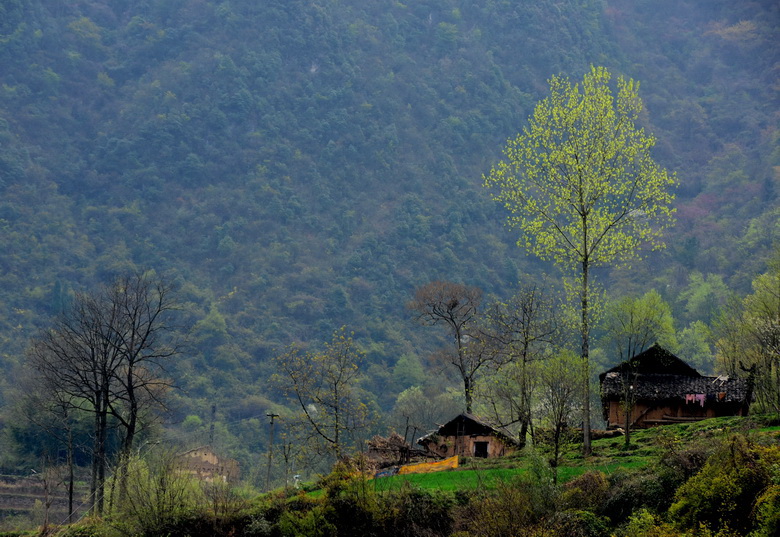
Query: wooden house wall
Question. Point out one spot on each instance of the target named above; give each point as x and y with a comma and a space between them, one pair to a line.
448, 446
648, 414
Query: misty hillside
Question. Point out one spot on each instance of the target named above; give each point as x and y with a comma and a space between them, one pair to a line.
296, 166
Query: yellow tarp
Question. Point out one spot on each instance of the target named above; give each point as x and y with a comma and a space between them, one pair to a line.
428, 467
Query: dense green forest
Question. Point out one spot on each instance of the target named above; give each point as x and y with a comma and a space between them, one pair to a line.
298, 166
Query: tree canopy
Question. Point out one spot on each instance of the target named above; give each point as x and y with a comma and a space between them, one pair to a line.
581, 186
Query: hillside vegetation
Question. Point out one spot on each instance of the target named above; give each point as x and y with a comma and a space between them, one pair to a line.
717, 477
298, 166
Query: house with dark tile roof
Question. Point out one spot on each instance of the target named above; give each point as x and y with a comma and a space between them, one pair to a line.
661, 389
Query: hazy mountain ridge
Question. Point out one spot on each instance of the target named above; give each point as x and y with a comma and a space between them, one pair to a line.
301, 165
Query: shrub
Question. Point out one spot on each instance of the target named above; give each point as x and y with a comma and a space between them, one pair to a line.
720, 496
767, 513
87, 528
507, 511
160, 499
573, 523
643, 523
586, 492
651, 488
412, 512
311, 523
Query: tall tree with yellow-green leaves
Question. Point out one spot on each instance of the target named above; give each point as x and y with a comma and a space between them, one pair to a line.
582, 187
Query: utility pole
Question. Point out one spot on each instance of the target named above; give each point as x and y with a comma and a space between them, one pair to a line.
270, 450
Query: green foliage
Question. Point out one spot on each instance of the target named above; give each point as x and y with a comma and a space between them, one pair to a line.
644, 523
600, 502
581, 524
579, 181
506, 511
767, 512
703, 296
310, 523
87, 528
412, 512
718, 496
582, 188
632, 325
421, 409
695, 347
408, 371
747, 336
158, 497
586, 492
294, 192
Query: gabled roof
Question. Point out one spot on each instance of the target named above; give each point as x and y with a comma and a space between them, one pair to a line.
657, 374
654, 361
468, 424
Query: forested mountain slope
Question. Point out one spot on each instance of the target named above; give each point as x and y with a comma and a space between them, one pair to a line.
300, 165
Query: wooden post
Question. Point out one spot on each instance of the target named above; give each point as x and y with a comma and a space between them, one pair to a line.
270, 450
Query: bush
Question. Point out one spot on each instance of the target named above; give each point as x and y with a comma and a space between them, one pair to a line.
311, 523
643, 523
159, 499
412, 512
507, 511
586, 492
651, 488
574, 523
721, 495
86, 528
767, 513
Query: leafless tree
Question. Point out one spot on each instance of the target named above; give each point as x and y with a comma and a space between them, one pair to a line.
456, 307
525, 329
105, 356
560, 391
146, 339
324, 387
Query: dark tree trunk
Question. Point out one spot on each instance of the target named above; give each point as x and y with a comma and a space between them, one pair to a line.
586, 447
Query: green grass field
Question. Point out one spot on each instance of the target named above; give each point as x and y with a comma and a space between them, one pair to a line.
609, 455
468, 478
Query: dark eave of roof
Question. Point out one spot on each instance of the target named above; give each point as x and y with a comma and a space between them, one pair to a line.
468, 424
655, 360
655, 387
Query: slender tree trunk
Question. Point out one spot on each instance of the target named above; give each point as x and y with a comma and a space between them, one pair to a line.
70, 475
556, 451
93, 483
628, 409
586, 448
336, 436
127, 445
525, 404
467, 391
523, 432
101, 477
101, 435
